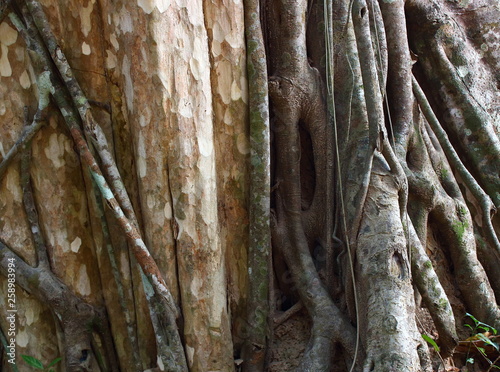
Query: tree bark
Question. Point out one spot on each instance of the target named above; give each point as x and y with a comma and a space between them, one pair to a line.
249, 185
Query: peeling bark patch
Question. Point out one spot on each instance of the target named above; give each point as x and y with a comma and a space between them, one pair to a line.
196, 285
148, 5
55, 150
114, 41
161, 366
196, 63
205, 145
243, 144
190, 355
223, 71
85, 49
162, 5
216, 48
110, 59
5, 69
76, 244
85, 13
228, 117
22, 338
235, 91
24, 80
83, 283
167, 211
141, 160
145, 118
185, 108
59, 240
129, 87
150, 201
13, 184
124, 21
32, 313
8, 35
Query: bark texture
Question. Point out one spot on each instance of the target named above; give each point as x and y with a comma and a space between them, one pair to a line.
226, 185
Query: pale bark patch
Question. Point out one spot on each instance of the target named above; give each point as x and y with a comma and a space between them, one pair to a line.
22, 338
13, 185
235, 91
59, 240
85, 12
110, 59
244, 88
5, 69
190, 354
114, 41
76, 244
145, 117
56, 149
123, 20
141, 153
86, 49
20, 54
141, 166
146, 5
216, 48
24, 80
167, 211
243, 144
32, 313
129, 86
205, 143
83, 283
8, 35
185, 108
224, 75
228, 117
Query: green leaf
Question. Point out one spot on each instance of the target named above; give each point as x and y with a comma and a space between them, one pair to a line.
468, 326
486, 327
470, 360
34, 362
432, 342
481, 350
472, 317
54, 362
487, 341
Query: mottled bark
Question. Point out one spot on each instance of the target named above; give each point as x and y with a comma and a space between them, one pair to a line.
185, 211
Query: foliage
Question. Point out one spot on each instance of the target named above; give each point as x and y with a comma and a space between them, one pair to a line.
480, 326
432, 342
480, 340
37, 364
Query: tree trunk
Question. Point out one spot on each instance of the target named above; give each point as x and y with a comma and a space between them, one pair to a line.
261, 185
